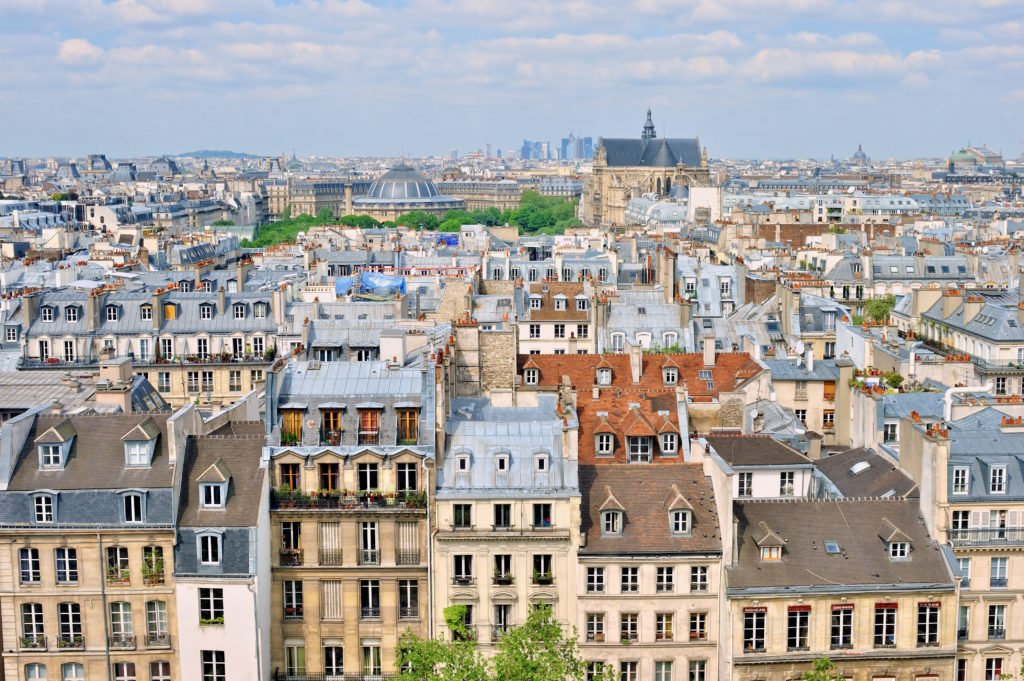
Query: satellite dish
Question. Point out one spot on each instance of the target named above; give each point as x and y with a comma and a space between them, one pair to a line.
984, 249
799, 347
851, 190
754, 413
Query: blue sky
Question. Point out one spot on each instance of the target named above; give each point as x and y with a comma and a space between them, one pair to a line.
752, 78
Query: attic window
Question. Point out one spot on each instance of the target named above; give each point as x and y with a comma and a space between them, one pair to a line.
71, 314
239, 311
111, 313
535, 302
605, 444
771, 553
671, 375
604, 376
51, 456
259, 310
541, 462
859, 467
559, 303
611, 523
206, 312
680, 522
669, 443
138, 453
46, 313
501, 462
899, 550
212, 494
531, 376
997, 480
639, 449
146, 312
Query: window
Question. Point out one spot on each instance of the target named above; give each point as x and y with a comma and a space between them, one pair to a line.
842, 626
209, 549
663, 626
668, 443
211, 606
32, 625
745, 482
406, 477
50, 456
69, 351
582, 331
801, 415
133, 508
611, 522
996, 622
203, 348
330, 476
372, 665
11, 334
680, 522
531, 376
462, 516
368, 477
408, 599
961, 475
997, 480
534, 330
595, 580
535, 302
541, 516
146, 313
239, 311
1001, 385
408, 433
44, 350
334, 661
605, 443
993, 668
257, 349
66, 563
289, 475
828, 419
369, 427
595, 627
111, 313
137, 452
47, 313
787, 485
670, 375
75, 671
235, 381
997, 572
542, 568
559, 330
156, 623
502, 516
604, 376
295, 659
291, 535
160, 670
797, 625
369, 598
630, 580
71, 314
117, 565
560, 303
292, 590
639, 449
35, 671
965, 572
928, 624
629, 626
259, 310
753, 630
214, 668
205, 312
28, 564
698, 625
698, 670
43, 508
885, 625
540, 462
699, 578
121, 624
369, 544
664, 579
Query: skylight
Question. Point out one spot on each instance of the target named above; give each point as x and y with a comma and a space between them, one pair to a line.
832, 547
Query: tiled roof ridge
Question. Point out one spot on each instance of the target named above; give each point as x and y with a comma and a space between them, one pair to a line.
109, 414
779, 500
241, 436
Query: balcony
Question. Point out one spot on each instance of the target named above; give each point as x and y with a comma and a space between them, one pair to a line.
842, 646
543, 579
595, 637
71, 642
122, 641
923, 642
504, 580
321, 676
996, 633
369, 557
499, 630
999, 536
369, 613
468, 635
503, 527
291, 557
961, 635
331, 438
160, 639
409, 612
32, 642
406, 557
118, 576
463, 580
997, 583
293, 613
369, 437
347, 500
330, 556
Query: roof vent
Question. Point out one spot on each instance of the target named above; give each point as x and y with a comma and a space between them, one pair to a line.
313, 365
859, 467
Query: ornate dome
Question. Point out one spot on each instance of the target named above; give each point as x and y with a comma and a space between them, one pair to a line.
402, 182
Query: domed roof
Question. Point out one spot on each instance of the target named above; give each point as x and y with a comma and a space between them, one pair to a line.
402, 182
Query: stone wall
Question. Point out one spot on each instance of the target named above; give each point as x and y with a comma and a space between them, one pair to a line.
497, 359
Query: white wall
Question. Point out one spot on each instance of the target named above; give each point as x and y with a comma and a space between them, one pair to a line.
237, 637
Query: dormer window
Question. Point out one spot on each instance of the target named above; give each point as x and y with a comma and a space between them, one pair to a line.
212, 494
462, 463
133, 508
611, 523
501, 463
531, 376
51, 456
535, 302
639, 449
771, 553
541, 463
259, 310
997, 480
669, 442
54, 445
46, 313
146, 313
899, 550
605, 444
71, 313
239, 311
140, 444
111, 313
137, 453
582, 304
43, 506
170, 311
670, 375
604, 376
206, 312
680, 522
209, 543
559, 303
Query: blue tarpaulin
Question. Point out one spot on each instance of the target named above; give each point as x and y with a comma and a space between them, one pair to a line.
447, 239
343, 285
373, 281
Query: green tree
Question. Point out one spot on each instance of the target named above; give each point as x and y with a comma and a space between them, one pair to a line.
360, 221
223, 223
450, 226
893, 379
823, 669
418, 219
325, 214
878, 309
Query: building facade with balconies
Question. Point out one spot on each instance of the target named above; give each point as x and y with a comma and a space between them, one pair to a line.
348, 514
507, 514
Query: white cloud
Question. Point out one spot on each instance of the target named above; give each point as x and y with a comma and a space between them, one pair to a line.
78, 51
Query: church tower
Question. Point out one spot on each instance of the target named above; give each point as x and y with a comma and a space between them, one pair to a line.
648, 133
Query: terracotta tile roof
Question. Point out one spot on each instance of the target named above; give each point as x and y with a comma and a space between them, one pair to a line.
646, 494
611, 414
639, 426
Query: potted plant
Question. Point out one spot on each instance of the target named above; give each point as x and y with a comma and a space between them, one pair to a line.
542, 577
502, 578
153, 574
598, 637
289, 611
212, 621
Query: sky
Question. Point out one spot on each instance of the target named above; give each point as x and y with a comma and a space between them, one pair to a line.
751, 78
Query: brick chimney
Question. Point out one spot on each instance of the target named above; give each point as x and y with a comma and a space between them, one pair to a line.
709, 352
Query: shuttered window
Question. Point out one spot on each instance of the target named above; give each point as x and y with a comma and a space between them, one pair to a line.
330, 543
331, 602
407, 544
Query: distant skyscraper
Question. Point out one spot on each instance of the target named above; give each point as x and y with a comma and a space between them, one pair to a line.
568, 149
454, 155
487, 150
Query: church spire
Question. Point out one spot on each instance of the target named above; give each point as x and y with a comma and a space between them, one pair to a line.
648, 133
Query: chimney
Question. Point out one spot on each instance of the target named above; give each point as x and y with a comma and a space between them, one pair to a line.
158, 308
222, 301
709, 352
305, 333
636, 362
93, 308
29, 305
242, 270
115, 384
809, 356
813, 446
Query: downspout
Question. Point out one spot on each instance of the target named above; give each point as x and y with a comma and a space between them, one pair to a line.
259, 632
430, 555
103, 598
947, 407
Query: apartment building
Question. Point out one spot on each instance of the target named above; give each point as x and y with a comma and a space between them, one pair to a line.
508, 503
557, 319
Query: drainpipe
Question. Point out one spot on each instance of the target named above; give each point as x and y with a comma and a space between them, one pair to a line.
103, 598
259, 633
947, 407
430, 555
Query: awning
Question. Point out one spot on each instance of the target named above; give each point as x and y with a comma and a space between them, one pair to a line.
331, 405
293, 406
369, 405
407, 405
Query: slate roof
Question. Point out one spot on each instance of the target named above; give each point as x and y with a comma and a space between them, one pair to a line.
754, 450
348, 379
881, 477
805, 526
787, 370
659, 152
646, 493
237, 454
97, 458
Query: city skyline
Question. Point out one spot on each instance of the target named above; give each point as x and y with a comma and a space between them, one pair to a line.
780, 79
